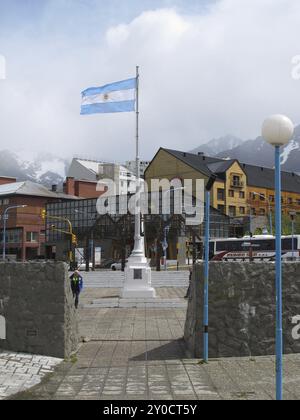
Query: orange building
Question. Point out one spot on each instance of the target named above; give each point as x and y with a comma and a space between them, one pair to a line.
261, 190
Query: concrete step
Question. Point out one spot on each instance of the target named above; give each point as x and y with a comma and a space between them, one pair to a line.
111, 279
138, 303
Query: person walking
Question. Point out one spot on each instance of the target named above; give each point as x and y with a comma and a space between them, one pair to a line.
76, 286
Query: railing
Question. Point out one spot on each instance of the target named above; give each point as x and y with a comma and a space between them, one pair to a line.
237, 184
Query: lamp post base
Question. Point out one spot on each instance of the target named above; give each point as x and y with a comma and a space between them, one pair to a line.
138, 279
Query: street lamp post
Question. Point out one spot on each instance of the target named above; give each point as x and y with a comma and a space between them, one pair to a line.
250, 217
5, 216
278, 130
293, 214
209, 186
165, 245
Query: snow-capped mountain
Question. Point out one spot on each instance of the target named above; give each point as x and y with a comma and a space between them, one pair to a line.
254, 152
45, 169
219, 145
258, 152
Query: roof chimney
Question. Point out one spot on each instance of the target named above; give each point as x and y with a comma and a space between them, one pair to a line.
54, 188
69, 186
184, 154
200, 153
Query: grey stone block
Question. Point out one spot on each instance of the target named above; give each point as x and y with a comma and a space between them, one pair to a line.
37, 304
242, 310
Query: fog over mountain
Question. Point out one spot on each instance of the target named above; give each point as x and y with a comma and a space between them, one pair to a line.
219, 145
254, 152
46, 169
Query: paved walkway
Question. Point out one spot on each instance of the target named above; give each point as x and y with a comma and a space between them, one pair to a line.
139, 354
19, 372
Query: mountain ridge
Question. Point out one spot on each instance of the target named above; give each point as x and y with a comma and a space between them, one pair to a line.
255, 152
45, 169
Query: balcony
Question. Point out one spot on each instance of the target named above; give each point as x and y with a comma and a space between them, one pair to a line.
234, 183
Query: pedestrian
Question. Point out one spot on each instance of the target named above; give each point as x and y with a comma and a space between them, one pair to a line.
190, 284
76, 286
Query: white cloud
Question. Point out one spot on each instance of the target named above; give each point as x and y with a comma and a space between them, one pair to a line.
202, 76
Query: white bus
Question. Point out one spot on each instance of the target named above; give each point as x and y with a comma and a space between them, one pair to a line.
257, 248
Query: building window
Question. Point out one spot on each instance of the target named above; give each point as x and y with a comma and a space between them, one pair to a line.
221, 194
231, 193
232, 211
262, 197
272, 198
290, 200
221, 208
32, 237
262, 212
236, 181
253, 211
4, 202
242, 195
13, 236
242, 210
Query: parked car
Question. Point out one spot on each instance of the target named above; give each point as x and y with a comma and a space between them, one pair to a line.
106, 264
82, 266
117, 266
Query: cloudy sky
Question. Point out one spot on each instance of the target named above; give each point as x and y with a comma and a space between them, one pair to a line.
208, 68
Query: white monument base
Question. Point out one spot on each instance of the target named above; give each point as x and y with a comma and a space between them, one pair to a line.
138, 279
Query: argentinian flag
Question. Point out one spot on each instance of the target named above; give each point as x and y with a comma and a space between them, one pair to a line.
115, 97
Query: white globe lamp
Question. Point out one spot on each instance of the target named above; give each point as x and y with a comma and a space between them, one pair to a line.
278, 130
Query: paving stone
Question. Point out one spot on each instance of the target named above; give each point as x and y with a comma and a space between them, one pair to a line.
137, 354
19, 372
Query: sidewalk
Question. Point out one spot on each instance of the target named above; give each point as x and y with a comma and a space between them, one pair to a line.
139, 354
19, 372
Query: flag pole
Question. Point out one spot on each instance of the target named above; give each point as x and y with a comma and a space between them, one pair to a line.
138, 184
138, 272
139, 243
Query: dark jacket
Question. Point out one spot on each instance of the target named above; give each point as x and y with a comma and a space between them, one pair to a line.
76, 283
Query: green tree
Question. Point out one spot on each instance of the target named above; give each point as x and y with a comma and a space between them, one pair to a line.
287, 225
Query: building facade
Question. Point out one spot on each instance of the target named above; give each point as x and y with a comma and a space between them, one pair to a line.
87, 177
25, 229
131, 165
241, 191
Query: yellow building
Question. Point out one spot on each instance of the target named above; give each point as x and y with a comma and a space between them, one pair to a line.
238, 190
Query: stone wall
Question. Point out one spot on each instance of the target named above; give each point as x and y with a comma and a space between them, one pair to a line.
242, 310
37, 309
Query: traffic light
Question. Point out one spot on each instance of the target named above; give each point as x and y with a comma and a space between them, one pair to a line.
43, 214
74, 239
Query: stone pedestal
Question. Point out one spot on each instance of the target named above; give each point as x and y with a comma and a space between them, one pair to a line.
138, 279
